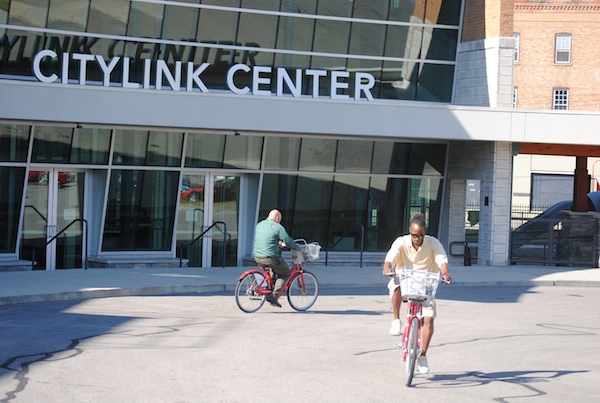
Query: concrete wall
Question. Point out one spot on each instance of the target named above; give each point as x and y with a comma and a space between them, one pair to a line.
490, 163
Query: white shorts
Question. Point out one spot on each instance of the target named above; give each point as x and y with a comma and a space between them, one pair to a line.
429, 307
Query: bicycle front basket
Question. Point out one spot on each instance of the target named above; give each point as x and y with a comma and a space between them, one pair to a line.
312, 251
418, 283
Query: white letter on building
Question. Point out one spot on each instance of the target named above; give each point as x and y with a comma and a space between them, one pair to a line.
366, 88
147, 73
106, 70
36, 66
337, 85
234, 69
65, 68
295, 89
83, 59
315, 75
193, 76
126, 83
163, 70
257, 80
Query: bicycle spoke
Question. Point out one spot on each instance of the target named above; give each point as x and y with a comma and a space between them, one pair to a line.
248, 296
302, 291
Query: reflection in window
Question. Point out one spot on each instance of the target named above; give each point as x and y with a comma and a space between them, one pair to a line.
348, 212
90, 146
407, 11
242, 152
108, 17
180, 23
28, 13
11, 195
215, 25
439, 44
136, 147
140, 213
409, 158
354, 156
164, 149
14, 142
295, 34
68, 14
317, 155
145, 19
435, 82
334, 210
282, 153
52, 144
204, 150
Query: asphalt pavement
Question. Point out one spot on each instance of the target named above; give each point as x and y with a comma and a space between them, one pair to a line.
20, 287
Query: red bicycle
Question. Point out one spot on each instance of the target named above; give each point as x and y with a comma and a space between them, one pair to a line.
302, 287
417, 286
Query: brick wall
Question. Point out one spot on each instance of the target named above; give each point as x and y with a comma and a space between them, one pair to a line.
487, 19
536, 74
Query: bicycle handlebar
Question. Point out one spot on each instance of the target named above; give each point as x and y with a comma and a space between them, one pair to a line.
395, 272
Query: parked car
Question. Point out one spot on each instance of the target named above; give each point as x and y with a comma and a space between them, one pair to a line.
530, 240
192, 194
41, 177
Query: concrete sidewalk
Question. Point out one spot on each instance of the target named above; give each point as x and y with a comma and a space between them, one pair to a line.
38, 286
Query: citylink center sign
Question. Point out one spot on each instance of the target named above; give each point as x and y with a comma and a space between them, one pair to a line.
261, 76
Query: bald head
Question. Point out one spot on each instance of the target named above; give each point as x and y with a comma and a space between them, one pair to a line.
275, 215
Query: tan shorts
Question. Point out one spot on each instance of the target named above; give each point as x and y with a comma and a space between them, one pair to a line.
429, 307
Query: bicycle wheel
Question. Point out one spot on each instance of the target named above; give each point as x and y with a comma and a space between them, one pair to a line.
246, 295
303, 290
413, 351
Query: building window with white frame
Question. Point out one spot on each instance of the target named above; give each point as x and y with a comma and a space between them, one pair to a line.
517, 37
560, 99
515, 94
562, 53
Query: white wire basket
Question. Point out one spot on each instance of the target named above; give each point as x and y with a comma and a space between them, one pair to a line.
418, 284
312, 251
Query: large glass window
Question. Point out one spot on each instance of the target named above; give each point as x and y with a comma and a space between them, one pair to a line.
108, 16
140, 213
282, 153
134, 147
68, 14
220, 151
14, 142
11, 194
317, 155
29, 13
334, 211
67, 145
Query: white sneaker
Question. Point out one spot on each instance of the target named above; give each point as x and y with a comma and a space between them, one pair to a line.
422, 364
396, 328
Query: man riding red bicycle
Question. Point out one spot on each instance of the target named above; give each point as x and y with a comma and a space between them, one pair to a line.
269, 237
416, 251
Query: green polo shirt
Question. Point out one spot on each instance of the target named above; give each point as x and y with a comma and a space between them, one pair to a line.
267, 235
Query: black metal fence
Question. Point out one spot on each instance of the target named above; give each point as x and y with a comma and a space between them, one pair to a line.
558, 241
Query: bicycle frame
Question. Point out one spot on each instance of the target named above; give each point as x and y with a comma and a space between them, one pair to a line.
414, 310
265, 287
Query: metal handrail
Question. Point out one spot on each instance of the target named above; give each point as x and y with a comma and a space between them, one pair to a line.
362, 241
85, 247
37, 211
202, 235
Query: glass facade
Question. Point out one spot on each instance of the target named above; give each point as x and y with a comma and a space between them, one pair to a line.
147, 189
380, 186
409, 47
327, 189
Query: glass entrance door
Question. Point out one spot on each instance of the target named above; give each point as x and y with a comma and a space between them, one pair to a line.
53, 203
204, 200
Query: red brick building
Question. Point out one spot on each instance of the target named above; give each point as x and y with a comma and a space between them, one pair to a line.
557, 58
